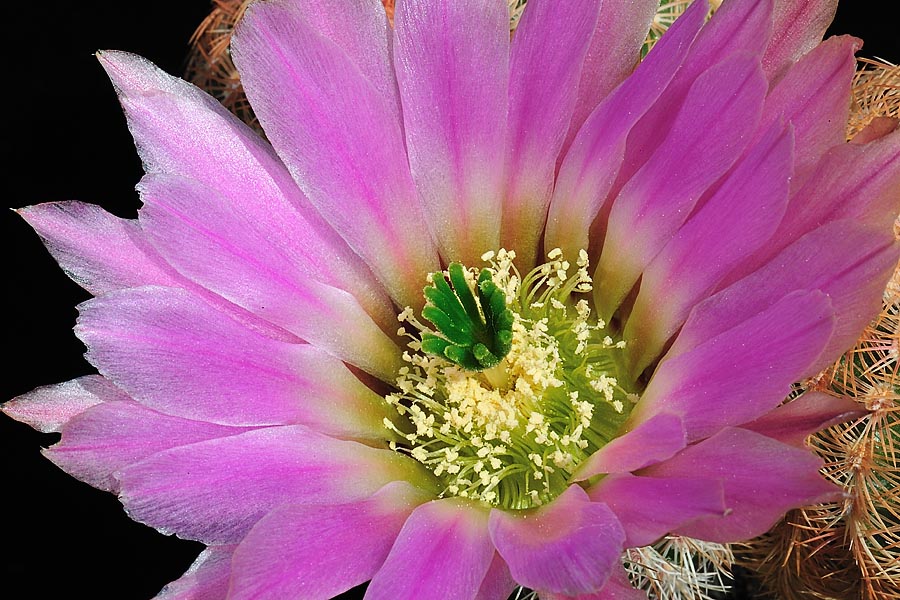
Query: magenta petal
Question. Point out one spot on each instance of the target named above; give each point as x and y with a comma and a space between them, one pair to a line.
744, 372
184, 132
592, 162
109, 437
339, 138
49, 407
762, 479
207, 579
617, 587
320, 551
205, 239
451, 58
710, 132
795, 421
652, 441
498, 584
612, 55
649, 508
99, 251
813, 97
740, 217
568, 547
443, 551
848, 261
215, 491
545, 64
182, 357
799, 26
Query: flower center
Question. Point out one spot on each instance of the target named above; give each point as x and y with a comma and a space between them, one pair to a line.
514, 387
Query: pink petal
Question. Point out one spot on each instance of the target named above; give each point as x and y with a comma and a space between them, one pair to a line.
617, 588
649, 508
320, 551
613, 53
200, 234
848, 261
799, 26
877, 128
215, 491
107, 438
339, 139
184, 358
50, 407
545, 64
762, 479
498, 584
452, 65
652, 441
743, 372
795, 421
739, 218
739, 27
182, 131
443, 551
813, 96
361, 29
710, 132
568, 547
207, 579
99, 251
591, 164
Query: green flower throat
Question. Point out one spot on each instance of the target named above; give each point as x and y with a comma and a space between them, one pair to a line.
515, 387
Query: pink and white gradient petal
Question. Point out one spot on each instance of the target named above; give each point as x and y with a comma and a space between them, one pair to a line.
452, 64
340, 140
215, 491
208, 367
207, 579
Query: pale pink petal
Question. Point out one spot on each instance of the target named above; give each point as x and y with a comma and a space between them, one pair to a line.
652, 441
207, 579
848, 261
877, 128
799, 26
710, 132
50, 407
795, 421
568, 547
812, 96
184, 358
320, 551
99, 251
762, 479
215, 491
341, 141
617, 588
743, 372
107, 438
361, 29
592, 162
443, 551
182, 131
740, 217
649, 508
612, 55
451, 58
498, 584
200, 235
545, 64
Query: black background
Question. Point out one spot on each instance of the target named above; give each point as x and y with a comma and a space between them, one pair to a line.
65, 138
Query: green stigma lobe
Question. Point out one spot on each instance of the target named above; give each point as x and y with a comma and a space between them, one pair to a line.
475, 333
